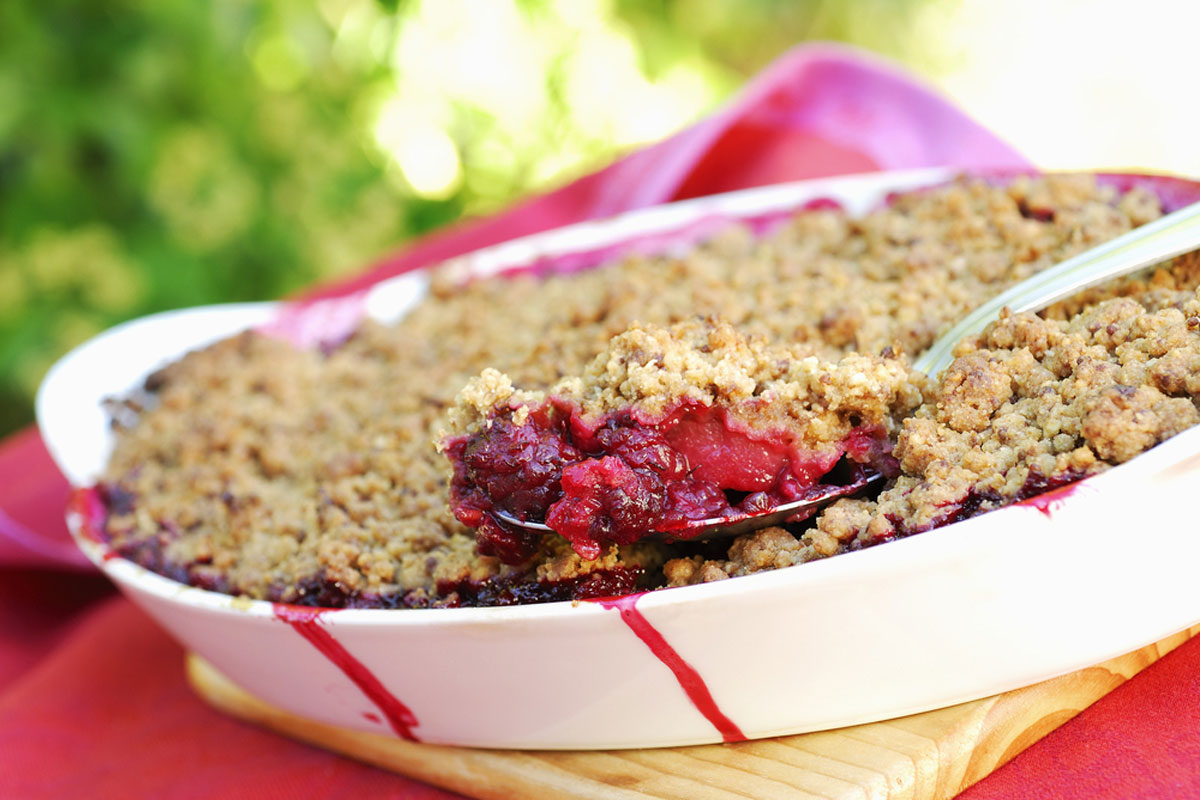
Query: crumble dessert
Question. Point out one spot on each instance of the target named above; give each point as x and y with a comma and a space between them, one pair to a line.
667, 427
311, 476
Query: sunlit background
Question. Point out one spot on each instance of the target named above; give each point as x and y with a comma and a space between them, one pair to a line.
156, 155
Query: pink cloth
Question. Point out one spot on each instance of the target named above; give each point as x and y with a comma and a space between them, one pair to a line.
92, 697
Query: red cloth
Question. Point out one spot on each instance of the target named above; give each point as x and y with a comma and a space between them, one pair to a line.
92, 697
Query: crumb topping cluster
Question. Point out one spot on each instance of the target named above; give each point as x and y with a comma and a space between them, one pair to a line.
652, 370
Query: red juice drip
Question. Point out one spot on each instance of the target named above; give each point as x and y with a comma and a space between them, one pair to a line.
87, 505
306, 622
1052, 501
689, 680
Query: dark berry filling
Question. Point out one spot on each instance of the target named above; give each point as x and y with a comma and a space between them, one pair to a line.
518, 465
625, 477
516, 469
519, 589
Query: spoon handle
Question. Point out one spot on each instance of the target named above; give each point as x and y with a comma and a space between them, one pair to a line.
1166, 237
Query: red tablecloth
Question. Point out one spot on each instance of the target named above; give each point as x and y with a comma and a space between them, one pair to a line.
92, 697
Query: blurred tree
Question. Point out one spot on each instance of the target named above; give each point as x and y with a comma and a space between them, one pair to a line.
157, 155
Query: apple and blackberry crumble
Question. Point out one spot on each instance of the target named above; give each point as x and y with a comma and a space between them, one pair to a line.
311, 476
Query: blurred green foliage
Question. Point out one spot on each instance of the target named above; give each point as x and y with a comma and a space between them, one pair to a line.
165, 154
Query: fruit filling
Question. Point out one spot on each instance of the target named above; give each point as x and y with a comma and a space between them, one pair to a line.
622, 480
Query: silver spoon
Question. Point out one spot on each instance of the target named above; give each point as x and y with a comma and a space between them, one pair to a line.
1166, 237
1169, 236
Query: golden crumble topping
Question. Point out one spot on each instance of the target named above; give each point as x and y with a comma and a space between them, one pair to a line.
254, 468
706, 363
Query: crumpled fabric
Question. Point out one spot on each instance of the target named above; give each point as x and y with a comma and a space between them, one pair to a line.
93, 701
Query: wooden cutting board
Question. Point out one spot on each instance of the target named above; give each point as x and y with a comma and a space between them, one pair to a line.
932, 755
